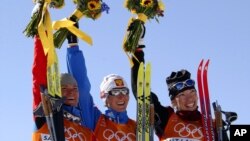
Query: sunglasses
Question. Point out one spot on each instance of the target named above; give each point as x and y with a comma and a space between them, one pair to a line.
115, 92
180, 85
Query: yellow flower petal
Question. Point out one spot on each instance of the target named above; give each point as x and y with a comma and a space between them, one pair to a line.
161, 5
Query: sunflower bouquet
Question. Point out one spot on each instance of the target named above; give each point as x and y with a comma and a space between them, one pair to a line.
88, 8
31, 28
144, 10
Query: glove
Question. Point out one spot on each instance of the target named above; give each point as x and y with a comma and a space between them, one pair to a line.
56, 103
134, 37
140, 42
72, 39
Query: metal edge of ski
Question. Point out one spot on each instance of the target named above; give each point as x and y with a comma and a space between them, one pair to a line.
140, 101
205, 101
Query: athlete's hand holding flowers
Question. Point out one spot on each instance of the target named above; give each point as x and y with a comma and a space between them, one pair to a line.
144, 10
88, 8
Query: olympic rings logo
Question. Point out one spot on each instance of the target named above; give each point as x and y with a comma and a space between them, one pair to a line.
108, 134
72, 134
187, 130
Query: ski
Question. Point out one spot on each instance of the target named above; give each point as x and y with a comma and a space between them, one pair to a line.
140, 103
147, 86
47, 109
218, 120
53, 79
205, 101
55, 120
144, 124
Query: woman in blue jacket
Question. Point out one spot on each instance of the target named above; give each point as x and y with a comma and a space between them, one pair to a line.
114, 92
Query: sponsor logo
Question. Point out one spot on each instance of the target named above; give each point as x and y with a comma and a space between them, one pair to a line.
118, 82
46, 137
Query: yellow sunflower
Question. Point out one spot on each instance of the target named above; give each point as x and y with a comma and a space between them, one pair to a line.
94, 5
147, 3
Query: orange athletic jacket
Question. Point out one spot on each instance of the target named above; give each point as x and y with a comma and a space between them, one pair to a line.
183, 130
107, 130
72, 132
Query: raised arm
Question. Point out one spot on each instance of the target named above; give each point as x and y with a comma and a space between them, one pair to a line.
139, 54
39, 77
161, 113
77, 67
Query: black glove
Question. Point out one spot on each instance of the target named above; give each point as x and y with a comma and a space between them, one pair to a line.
140, 43
132, 27
72, 37
55, 102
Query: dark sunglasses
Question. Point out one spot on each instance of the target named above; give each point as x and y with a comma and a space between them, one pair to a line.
180, 85
115, 92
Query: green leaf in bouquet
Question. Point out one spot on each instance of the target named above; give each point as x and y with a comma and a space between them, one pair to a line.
60, 37
87, 8
151, 8
133, 35
31, 28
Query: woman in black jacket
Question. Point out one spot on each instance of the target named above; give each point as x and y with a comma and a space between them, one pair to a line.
181, 120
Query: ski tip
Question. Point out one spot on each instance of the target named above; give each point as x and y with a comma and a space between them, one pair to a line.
207, 62
148, 65
206, 65
201, 63
141, 64
141, 67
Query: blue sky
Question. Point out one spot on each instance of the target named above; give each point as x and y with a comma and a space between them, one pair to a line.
191, 30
